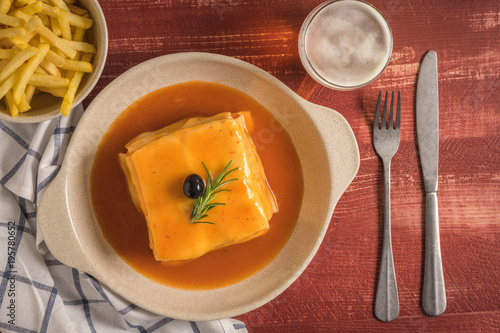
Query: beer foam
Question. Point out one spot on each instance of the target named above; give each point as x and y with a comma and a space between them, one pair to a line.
348, 43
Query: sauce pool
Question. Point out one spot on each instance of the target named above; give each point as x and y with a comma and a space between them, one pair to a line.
124, 227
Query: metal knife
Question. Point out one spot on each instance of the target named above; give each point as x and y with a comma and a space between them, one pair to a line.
434, 293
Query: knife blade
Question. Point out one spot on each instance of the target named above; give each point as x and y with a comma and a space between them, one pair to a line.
434, 293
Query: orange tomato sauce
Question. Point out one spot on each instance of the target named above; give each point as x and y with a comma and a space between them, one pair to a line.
124, 227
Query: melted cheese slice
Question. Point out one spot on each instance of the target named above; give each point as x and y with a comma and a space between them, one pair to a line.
156, 164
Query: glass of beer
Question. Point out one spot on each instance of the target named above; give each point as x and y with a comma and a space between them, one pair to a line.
345, 44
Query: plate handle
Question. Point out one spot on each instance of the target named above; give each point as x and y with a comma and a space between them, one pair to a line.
338, 135
57, 228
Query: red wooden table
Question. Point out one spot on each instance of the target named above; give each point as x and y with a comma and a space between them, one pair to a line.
336, 292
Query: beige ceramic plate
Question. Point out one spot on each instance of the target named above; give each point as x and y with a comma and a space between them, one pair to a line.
324, 141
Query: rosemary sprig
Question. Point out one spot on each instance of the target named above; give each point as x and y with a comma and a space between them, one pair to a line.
204, 202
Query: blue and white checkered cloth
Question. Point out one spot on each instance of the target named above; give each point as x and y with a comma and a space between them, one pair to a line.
37, 292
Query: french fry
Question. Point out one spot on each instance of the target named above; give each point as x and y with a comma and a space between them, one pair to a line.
56, 28
8, 84
20, 43
21, 15
17, 61
3, 62
78, 66
7, 53
63, 23
40, 70
45, 19
27, 71
61, 4
11, 20
57, 92
11, 104
77, 10
55, 58
50, 67
81, 46
80, 21
49, 81
79, 34
60, 53
29, 92
73, 86
12, 32
21, 3
32, 8
4, 6
23, 105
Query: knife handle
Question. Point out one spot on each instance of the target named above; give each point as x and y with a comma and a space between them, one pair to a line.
434, 293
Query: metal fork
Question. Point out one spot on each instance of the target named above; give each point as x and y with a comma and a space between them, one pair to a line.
386, 143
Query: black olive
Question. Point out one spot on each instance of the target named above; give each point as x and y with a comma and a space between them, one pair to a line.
193, 186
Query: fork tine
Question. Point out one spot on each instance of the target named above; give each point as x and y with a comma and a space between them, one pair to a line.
384, 121
398, 112
376, 122
391, 122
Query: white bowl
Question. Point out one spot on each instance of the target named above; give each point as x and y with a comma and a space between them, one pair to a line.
46, 106
322, 137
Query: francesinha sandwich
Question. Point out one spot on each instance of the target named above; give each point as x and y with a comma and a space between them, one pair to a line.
214, 159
